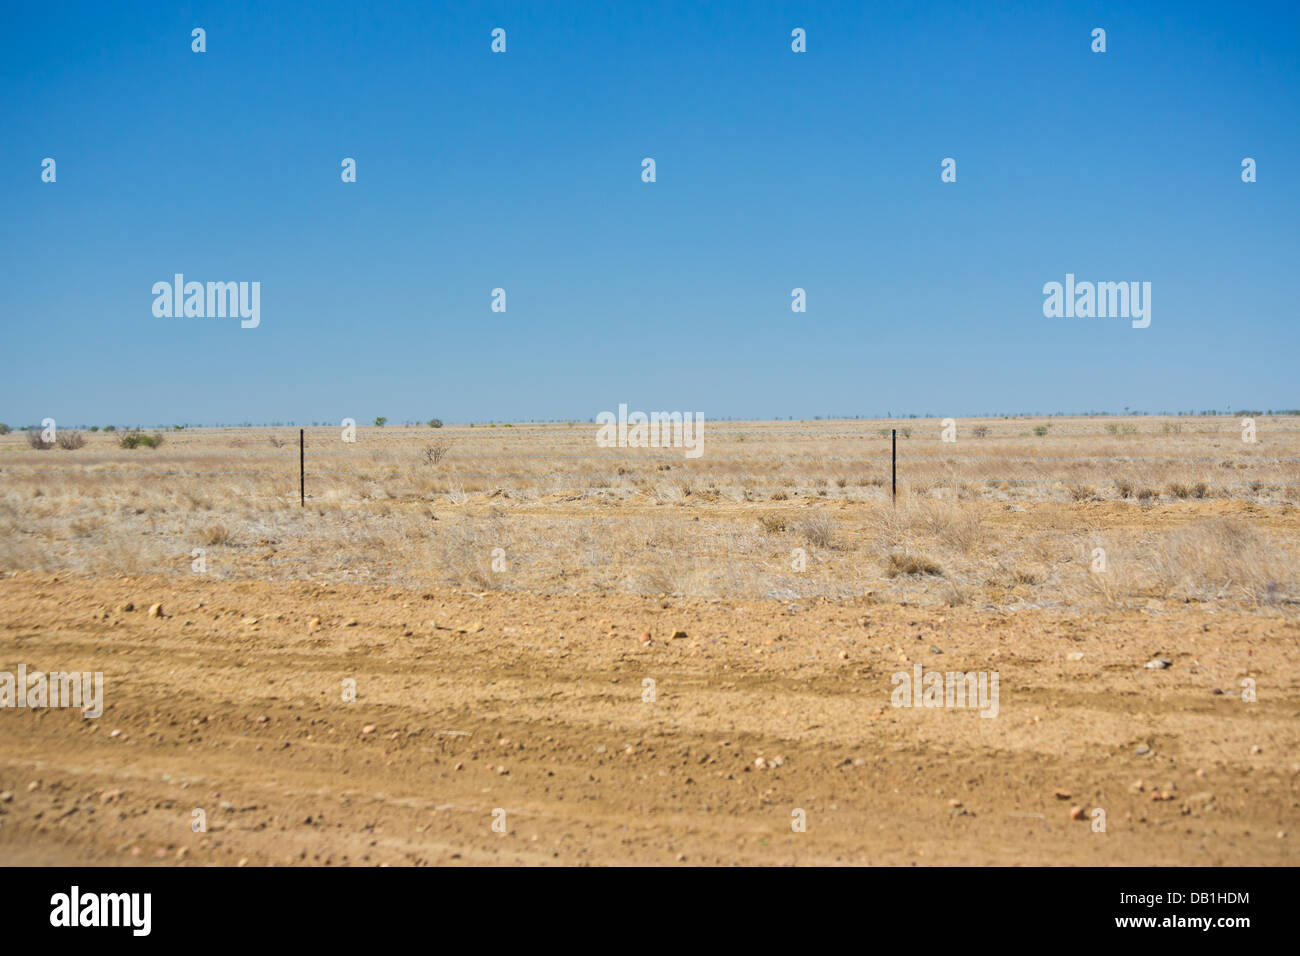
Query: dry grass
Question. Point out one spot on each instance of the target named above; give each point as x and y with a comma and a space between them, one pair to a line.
1006, 520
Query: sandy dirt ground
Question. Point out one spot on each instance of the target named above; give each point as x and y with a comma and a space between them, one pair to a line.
531, 711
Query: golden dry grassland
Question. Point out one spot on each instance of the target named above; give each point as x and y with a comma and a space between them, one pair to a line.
1010, 515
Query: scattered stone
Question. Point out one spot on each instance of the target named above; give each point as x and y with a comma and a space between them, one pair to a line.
760, 764
1062, 794
155, 610
313, 624
1257, 749
935, 650
1077, 813
368, 729
6, 797
1074, 656
350, 622
127, 607
1160, 663
678, 635
1142, 750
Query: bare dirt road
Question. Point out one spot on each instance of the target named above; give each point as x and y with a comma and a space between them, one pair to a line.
469, 704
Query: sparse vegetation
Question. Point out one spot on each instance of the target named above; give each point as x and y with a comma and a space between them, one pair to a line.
909, 563
434, 453
36, 439
1005, 517
817, 530
137, 439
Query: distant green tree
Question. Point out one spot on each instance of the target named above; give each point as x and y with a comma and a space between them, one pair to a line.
381, 421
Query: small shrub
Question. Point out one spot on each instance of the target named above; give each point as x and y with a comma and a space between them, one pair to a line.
437, 423
36, 440
780, 496
110, 428
4, 429
1124, 489
1040, 430
1177, 490
1082, 493
817, 531
214, 534
772, 524
70, 440
434, 453
1200, 489
980, 431
1145, 495
136, 439
908, 563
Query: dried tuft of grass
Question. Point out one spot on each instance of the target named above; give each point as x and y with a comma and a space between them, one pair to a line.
910, 563
214, 535
817, 531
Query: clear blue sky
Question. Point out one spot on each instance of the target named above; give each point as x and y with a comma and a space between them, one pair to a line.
523, 171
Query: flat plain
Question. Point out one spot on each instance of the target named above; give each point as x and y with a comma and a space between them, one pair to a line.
501, 595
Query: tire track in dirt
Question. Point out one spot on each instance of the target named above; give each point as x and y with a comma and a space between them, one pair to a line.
495, 709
